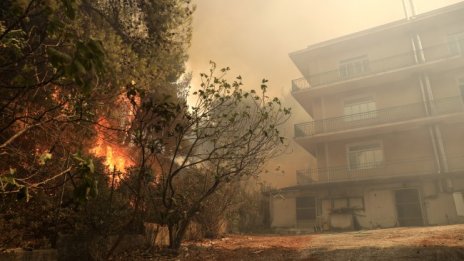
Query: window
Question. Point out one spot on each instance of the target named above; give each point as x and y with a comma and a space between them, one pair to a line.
305, 208
357, 203
360, 109
365, 156
456, 42
328, 205
340, 203
354, 66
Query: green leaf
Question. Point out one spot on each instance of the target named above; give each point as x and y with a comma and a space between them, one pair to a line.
54, 26
79, 68
70, 8
58, 58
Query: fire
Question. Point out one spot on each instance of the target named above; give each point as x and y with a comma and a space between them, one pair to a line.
116, 158
115, 154
114, 162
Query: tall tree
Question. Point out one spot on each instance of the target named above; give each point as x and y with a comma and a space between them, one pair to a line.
64, 65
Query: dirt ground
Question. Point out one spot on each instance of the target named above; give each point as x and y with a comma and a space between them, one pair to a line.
420, 243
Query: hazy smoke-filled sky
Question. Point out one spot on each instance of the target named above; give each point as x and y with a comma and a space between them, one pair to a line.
254, 38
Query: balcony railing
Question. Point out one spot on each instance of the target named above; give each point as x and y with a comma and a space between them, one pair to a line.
377, 117
386, 64
404, 168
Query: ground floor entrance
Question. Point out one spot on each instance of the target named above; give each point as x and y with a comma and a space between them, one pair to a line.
408, 207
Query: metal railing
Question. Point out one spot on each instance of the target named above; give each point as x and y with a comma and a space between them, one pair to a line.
382, 65
377, 117
403, 168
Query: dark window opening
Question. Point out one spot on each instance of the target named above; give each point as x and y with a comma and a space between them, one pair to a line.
305, 208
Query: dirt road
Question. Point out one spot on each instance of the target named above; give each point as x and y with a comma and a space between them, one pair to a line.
422, 243
444, 243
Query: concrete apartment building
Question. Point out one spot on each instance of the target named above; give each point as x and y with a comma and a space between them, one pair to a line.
387, 127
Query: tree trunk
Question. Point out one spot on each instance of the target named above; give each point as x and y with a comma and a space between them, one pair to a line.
177, 233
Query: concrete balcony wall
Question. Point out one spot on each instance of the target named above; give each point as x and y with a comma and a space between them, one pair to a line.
389, 94
387, 169
385, 95
408, 145
453, 141
385, 50
404, 153
446, 84
323, 68
376, 65
436, 34
458, 183
391, 62
404, 113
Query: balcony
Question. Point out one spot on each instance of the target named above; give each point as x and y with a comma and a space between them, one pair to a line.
378, 117
377, 171
373, 67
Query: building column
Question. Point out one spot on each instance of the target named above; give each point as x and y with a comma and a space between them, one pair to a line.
427, 98
434, 130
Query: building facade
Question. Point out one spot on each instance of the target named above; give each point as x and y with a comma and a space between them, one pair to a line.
387, 127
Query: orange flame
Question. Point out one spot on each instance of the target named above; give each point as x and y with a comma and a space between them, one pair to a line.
116, 158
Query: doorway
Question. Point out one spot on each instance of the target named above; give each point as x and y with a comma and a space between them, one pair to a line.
408, 207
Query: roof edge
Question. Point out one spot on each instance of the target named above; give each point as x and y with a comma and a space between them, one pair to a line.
380, 28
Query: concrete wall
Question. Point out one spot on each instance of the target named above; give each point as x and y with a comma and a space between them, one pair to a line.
379, 207
341, 222
376, 48
440, 205
384, 94
453, 140
458, 184
283, 212
397, 146
379, 210
445, 84
437, 34
440, 209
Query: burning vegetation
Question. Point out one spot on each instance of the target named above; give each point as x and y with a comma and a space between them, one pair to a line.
115, 155
64, 134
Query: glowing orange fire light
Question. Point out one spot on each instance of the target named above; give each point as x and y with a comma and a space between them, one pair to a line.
116, 158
